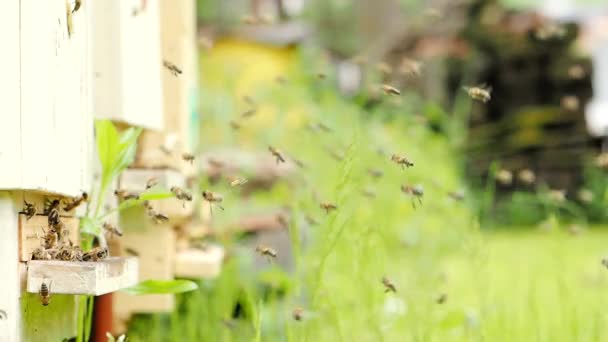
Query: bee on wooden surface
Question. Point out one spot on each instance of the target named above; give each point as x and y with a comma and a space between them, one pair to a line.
504, 177
96, 254
188, 157
328, 207
52, 211
49, 238
526, 176
369, 192
76, 201
266, 252
111, 229
235, 125
213, 198
69, 253
238, 181
40, 253
29, 209
375, 173
45, 293
417, 191
480, 93
124, 195
388, 285
172, 67
277, 154
401, 160
390, 90
249, 113
410, 67
181, 194
298, 314
442, 298
151, 182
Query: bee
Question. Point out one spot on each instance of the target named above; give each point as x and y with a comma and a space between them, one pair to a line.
298, 314
248, 100
328, 207
131, 251
410, 67
417, 191
442, 298
338, 156
212, 197
266, 251
215, 163
368, 192
29, 209
388, 285
277, 154
152, 182
50, 238
456, 195
159, 218
181, 194
45, 293
111, 229
172, 67
283, 219
401, 160
235, 125
188, 157
77, 5
96, 254
324, 127
40, 253
249, 113
311, 220
165, 149
76, 201
480, 93
238, 181
69, 253
52, 211
375, 173
124, 195
504, 177
390, 90
526, 176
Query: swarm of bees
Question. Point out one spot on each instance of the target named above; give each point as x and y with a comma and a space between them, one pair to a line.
401, 160
480, 93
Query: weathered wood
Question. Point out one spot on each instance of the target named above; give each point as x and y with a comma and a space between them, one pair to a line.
31, 233
197, 263
87, 278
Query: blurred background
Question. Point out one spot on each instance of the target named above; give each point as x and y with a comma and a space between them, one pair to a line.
497, 232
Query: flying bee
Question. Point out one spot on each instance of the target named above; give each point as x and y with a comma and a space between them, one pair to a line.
238, 181
324, 127
442, 298
29, 209
480, 93
311, 220
111, 229
401, 160
576, 72
283, 219
212, 198
299, 163
410, 67
188, 157
266, 252
159, 217
328, 207
336, 155
172, 67
76, 201
235, 125
388, 285
456, 195
124, 195
390, 90
152, 182
45, 293
181, 194
277, 154
298, 314
131, 251
96, 254
249, 113
216, 163
375, 173
416, 191
165, 149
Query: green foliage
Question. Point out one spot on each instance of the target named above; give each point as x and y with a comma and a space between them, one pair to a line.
161, 286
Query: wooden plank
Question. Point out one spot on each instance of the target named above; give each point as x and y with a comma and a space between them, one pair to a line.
127, 62
31, 232
10, 65
86, 278
10, 313
197, 263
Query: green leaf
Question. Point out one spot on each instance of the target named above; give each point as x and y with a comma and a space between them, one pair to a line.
162, 287
89, 225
